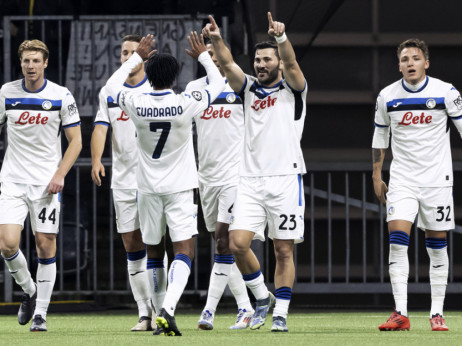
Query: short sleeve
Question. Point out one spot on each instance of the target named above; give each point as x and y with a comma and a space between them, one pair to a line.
196, 100
2, 109
69, 112
102, 115
453, 103
381, 119
125, 101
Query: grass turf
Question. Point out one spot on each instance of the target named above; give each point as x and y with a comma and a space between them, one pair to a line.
350, 328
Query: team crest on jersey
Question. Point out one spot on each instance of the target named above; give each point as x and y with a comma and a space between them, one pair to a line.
231, 97
391, 210
197, 95
46, 105
431, 103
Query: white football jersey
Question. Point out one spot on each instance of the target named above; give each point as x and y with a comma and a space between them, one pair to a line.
124, 148
220, 135
419, 124
163, 122
34, 121
274, 120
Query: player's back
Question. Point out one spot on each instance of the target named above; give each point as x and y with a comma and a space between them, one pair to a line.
163, 123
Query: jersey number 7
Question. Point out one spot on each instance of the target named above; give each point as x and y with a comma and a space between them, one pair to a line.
165, 126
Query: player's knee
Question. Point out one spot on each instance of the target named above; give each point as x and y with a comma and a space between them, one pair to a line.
8, 251
222, 246
284, 253
237, 248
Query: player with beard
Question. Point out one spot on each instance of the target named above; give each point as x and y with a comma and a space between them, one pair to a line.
270, 189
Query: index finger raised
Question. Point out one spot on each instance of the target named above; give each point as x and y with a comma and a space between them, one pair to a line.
270, 18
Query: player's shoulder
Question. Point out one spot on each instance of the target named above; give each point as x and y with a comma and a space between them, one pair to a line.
56, 89
391, 88
14, 87
200, 83
439, 84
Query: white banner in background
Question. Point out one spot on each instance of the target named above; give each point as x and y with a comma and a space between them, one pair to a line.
94, 54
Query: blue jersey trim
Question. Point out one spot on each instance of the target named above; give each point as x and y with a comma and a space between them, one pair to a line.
72, 125
139, 84
161, 94
105, 123
417, 91
381, 126
32, 101
300, 200
30, 91
416, 103
457, 117
295, 90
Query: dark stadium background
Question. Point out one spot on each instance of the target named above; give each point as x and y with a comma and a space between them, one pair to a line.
352, 58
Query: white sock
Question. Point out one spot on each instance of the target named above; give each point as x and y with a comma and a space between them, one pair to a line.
138, 277
46, 277
219, 278
399, 273
17, 265
283, 296
256, 283
177, 279
157, 273
438, 277
239, 289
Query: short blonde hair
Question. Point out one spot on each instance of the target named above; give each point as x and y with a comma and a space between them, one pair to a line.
34, 45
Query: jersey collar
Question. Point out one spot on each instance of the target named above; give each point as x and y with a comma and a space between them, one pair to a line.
403, 83
30, 91
139, 84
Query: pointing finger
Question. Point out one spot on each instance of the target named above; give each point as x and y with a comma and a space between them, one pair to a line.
270, 19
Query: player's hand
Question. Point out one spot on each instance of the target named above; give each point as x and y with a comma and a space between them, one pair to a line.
275, 28
197, 45
56, 184
97, 170
144, 49
380, 189
211, 30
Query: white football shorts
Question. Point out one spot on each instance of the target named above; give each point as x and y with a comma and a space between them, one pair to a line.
177, 210
433, 205
16, 200
276, 200
126, 210
217, 204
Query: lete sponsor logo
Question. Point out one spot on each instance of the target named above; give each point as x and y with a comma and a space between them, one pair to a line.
409, 119
25, 118
262, 104
214, 113
123, 117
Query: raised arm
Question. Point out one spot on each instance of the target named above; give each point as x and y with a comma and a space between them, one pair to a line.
199, 51
292, 72
233, 72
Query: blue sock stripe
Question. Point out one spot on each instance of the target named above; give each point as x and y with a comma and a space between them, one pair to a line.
283, 293
184, 258
399, 237
251, 276
13, 257
135, 256
227, 259
47, 260
154, 263
436, 243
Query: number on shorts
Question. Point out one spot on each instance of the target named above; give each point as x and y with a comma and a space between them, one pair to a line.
291, 219
165, 126
440, 210
43, 215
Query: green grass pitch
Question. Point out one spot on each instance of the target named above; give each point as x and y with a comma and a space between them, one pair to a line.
343, 328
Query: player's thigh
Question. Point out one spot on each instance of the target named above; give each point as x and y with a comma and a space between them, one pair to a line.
152, 218
248, 212
402, 204
209, 196
13, 204
44, 209
285, 205
436, 211
181, 215
126, 210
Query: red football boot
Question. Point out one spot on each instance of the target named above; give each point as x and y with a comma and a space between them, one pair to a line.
396, 322
437, 323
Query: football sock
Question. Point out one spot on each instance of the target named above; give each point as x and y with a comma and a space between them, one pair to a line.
399, 269
177, 279
219, 278
439, 264
239, 289
283, 296
46, 277
17, 265
157, 268
138, 277
256, 283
